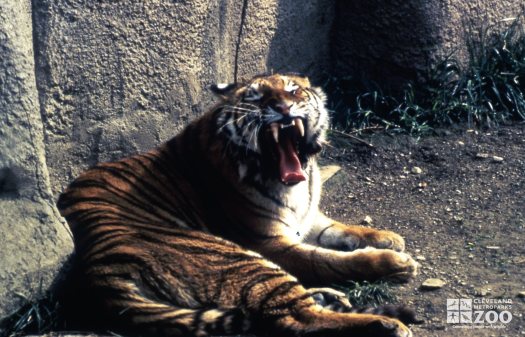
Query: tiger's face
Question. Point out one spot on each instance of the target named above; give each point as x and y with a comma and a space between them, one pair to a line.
272, 125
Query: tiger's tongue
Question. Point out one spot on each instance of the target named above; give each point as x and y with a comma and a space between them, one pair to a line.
289, 164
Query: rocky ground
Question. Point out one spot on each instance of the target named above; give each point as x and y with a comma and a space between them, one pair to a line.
458, 198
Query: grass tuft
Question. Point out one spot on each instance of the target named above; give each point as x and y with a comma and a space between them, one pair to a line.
367, 294
489, 91
34, 317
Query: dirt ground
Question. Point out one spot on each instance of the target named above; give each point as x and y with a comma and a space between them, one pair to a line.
462, 214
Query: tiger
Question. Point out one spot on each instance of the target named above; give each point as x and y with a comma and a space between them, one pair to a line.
218, 230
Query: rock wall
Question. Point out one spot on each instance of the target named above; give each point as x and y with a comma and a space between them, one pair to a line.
390, 42
33, 240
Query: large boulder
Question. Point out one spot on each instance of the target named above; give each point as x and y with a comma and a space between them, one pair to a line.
33, 240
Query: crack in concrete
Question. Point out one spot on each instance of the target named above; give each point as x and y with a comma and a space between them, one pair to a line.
239, 39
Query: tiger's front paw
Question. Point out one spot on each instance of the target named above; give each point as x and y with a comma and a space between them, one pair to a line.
397, 267
385, 240
373, 264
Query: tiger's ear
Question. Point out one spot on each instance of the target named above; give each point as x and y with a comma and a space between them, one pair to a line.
299, 78
223, 90
320, 93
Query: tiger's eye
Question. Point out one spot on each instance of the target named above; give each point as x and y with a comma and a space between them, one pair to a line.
252, 95
296, 92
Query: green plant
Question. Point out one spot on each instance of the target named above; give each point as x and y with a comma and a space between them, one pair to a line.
34, 317
489, 91
366, 293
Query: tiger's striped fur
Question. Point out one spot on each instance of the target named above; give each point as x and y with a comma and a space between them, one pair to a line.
218, 230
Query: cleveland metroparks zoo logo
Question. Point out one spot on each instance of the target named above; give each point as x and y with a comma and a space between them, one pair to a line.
479, 312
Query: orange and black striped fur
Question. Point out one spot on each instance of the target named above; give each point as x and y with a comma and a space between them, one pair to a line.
218, 230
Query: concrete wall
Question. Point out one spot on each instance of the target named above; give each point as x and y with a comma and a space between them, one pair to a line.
120, 77
33, 240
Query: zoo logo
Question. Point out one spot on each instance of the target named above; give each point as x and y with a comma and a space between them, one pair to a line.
462, 310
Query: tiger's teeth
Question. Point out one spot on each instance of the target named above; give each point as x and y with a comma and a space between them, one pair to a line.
300, 126
274, 127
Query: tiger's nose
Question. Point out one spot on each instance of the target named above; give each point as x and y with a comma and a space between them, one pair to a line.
283, 108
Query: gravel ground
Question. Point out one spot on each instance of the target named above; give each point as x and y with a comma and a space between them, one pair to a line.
458, 199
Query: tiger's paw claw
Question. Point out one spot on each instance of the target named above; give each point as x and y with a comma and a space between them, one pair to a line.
403, 267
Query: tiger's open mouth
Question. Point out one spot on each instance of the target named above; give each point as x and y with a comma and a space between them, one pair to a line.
288, 135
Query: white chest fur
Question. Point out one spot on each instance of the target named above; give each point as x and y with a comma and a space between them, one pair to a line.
299, 207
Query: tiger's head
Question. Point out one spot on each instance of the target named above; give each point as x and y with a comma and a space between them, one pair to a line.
272, 125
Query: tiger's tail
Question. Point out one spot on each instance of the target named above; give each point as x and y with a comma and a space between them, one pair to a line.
166, 320
120, 308
159, 319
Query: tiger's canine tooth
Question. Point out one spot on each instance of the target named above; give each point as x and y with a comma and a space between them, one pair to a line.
300, 126
274, 127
